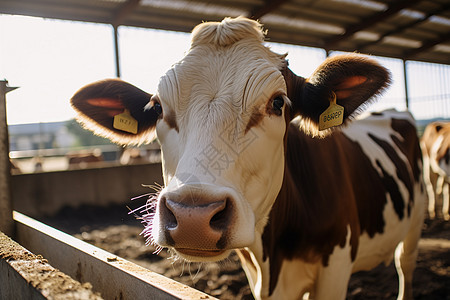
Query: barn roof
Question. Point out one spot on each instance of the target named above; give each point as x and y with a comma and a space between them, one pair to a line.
407, 29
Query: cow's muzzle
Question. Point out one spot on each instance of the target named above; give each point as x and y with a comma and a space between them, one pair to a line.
195, 227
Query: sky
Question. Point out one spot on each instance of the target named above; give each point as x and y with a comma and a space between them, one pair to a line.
51, 59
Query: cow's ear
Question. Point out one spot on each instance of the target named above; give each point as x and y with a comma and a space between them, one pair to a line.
355, 79
100, 103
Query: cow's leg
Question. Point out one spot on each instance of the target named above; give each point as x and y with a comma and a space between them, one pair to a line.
407, 250
332, 281
446, 201
429, 185
296, 278
439, 184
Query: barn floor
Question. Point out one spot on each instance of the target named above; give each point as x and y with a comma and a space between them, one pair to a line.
114, 230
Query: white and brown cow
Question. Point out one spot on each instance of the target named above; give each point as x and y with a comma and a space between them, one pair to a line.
435, 144
243, 171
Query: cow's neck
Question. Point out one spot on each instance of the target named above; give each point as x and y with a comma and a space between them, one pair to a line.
304, 224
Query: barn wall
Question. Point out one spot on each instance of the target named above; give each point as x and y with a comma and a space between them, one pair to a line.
44, 194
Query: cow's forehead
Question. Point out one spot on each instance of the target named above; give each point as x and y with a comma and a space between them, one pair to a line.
237, 76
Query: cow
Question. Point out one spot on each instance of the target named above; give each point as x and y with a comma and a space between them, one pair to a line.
435, 143
132, 155
255, 160
83, 159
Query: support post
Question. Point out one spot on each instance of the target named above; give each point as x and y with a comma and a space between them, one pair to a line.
118, 18
116, 49
6, 218
405, 75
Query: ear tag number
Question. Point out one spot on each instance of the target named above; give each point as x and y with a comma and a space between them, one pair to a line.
332, 116
125, 122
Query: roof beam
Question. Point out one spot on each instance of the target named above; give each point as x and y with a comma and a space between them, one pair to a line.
62, 11
123, 11
371, 21
427, 45
406, 26
269, 6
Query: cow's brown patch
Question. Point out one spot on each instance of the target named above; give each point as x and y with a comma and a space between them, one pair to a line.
444, 149
171, 120
255, 119
330, 185
402, 174
410, 145
304, 223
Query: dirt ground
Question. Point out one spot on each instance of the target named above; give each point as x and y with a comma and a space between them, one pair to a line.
114, 230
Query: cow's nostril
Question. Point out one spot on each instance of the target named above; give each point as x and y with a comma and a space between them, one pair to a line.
169, 217
221, 218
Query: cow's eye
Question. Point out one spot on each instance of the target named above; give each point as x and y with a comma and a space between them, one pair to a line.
156, 106
277, 105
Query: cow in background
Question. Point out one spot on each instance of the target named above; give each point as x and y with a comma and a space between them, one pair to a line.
435, 144
133, 155
15, 169
84, 158
244, 168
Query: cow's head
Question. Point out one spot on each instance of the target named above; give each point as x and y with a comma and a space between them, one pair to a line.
220, 115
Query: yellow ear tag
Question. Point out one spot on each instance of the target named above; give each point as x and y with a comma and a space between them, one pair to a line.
332, 116
125, 122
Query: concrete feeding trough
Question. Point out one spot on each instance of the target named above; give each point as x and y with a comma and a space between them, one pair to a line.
73, 269
24, 275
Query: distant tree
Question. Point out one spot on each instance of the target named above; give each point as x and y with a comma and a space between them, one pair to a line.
85, 137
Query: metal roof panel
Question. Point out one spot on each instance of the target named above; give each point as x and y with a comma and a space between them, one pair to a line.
380, 27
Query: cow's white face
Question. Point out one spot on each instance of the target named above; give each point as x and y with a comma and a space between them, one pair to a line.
221, 132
